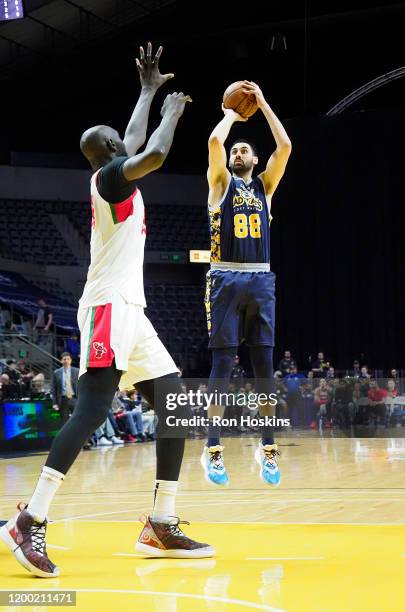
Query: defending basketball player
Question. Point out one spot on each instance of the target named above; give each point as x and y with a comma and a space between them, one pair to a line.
240, 298
119, 346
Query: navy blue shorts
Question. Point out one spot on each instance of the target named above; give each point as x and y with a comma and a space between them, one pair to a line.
240, 306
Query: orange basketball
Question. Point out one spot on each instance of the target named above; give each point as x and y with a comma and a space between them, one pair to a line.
234, 97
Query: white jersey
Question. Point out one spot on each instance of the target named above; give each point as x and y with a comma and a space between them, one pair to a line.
118, 234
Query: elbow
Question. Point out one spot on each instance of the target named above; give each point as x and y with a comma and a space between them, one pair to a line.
286, 147
284, 150
156, 157
214, 140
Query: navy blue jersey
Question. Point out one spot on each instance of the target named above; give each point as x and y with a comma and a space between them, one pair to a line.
240, 226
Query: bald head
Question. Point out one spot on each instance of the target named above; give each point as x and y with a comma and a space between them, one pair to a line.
100, 144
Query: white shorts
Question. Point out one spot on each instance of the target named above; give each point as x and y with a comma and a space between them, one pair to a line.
121, 332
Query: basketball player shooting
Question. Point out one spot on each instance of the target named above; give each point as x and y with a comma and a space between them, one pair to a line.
119, 345
240, 299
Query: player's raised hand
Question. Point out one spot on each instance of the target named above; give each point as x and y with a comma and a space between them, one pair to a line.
252, 88
175, 103
148, 68
236, 116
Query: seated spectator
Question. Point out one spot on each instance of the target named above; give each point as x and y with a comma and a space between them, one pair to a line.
307, 399
143, 414
38, 387
72, 346
286, 363
364, 374
341, 404
320, 365
14, 376
311, 378
281, 392
26, 377
322, 399
6, 389
394, 375
394, 411
355, 371
131, 419
105, 435
238, 372
376, 397
293, 382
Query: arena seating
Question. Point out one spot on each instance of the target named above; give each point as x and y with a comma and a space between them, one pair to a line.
178, 315
28, 234
168, 227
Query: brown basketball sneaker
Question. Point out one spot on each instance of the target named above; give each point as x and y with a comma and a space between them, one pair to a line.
26, 539
168, 540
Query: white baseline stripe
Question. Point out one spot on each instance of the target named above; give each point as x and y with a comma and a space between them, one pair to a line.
242, 523
237, 602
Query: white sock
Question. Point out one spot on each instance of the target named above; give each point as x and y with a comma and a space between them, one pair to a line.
165, 500
48, 483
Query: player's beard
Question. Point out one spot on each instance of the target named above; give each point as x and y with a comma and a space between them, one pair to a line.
242, 168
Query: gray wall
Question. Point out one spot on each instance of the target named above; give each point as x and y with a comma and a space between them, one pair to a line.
55, 183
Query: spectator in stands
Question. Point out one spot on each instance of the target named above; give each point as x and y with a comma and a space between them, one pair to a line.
293, 382
286, 363
38, 387
394, 375
132, 406
105, 435
364, 374
376, 397
311, 379
281, 392
145, 417
319, 365
322, 399
27, 375
392, 388
355, 372
394, 411
238, 372
64, 387
330, 373
125, 420
5, 388
72, 346
44, 318
15, 379
341, 404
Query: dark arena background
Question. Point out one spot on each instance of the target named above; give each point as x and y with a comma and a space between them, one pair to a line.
330, 538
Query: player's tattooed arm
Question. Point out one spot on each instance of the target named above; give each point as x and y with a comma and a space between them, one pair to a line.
161, 140
277, 163
151, 80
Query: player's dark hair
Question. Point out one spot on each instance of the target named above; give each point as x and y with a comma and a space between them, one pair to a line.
66, 354
249, 142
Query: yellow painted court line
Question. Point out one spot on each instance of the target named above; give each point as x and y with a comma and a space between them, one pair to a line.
128, 555
57, 547
285, 558
236, 602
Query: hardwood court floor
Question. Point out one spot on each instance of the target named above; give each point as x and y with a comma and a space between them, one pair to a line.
330, 539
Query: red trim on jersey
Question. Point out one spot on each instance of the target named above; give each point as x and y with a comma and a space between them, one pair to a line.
123, 210
101, 354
